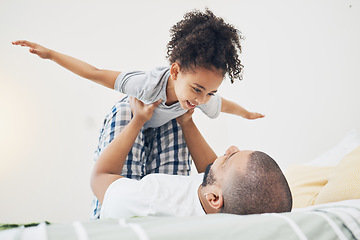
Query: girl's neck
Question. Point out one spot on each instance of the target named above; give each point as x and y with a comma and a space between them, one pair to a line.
171, 97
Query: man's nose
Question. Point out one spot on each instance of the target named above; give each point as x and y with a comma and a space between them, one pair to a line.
231, 150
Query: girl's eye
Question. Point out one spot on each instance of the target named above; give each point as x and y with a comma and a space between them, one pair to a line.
196, 89
211, 94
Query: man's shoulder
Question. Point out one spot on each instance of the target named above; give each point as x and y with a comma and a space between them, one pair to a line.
159, 194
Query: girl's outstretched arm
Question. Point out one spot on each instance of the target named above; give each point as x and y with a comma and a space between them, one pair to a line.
106, 78
234, 108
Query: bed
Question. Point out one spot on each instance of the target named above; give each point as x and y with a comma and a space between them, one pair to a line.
326, 194
340, 220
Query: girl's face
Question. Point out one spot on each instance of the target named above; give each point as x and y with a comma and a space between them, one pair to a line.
194, 88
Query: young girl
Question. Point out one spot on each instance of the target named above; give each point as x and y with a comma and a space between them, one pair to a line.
203, 48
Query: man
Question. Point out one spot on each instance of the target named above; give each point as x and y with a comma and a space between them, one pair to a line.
240, 182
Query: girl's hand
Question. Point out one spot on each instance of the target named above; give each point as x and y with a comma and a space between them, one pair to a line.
34, 48
254, 115
141, 111
186, 117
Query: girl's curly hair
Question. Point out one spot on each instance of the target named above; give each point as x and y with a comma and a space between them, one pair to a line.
204, 40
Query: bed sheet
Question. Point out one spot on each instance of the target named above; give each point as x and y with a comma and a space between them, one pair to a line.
340, 220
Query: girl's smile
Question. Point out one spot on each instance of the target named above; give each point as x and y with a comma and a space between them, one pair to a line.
190, 104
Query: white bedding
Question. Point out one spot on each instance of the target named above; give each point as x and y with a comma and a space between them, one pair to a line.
340, 220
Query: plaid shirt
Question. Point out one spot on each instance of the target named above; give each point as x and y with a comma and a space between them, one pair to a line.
155, 150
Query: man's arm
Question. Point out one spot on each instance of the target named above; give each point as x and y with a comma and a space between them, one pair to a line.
200, 150
110, 163
234, 108
106, 78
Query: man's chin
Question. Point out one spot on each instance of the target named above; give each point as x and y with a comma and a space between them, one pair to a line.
206, 175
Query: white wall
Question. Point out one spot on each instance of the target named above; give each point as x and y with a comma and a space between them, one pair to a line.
301, 69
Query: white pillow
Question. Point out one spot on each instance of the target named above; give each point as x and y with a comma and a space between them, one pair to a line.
334, 155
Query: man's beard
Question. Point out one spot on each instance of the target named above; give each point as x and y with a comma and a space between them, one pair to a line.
209, 177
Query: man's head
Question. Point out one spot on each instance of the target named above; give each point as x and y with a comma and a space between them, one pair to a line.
245, 182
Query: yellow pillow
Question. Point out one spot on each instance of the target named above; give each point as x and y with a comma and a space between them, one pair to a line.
343, 181
305, 183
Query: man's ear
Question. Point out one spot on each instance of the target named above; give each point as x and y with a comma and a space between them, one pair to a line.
174, 70
215, 200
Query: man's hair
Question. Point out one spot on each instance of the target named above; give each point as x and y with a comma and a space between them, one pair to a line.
204, 40
261, 188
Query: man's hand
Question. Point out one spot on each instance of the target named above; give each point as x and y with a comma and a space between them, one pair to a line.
141, 111
34, 48
186, 117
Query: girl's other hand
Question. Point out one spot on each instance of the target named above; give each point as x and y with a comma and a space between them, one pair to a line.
34, 48
254, 115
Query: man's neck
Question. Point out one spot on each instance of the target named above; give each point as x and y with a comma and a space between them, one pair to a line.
201, 198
